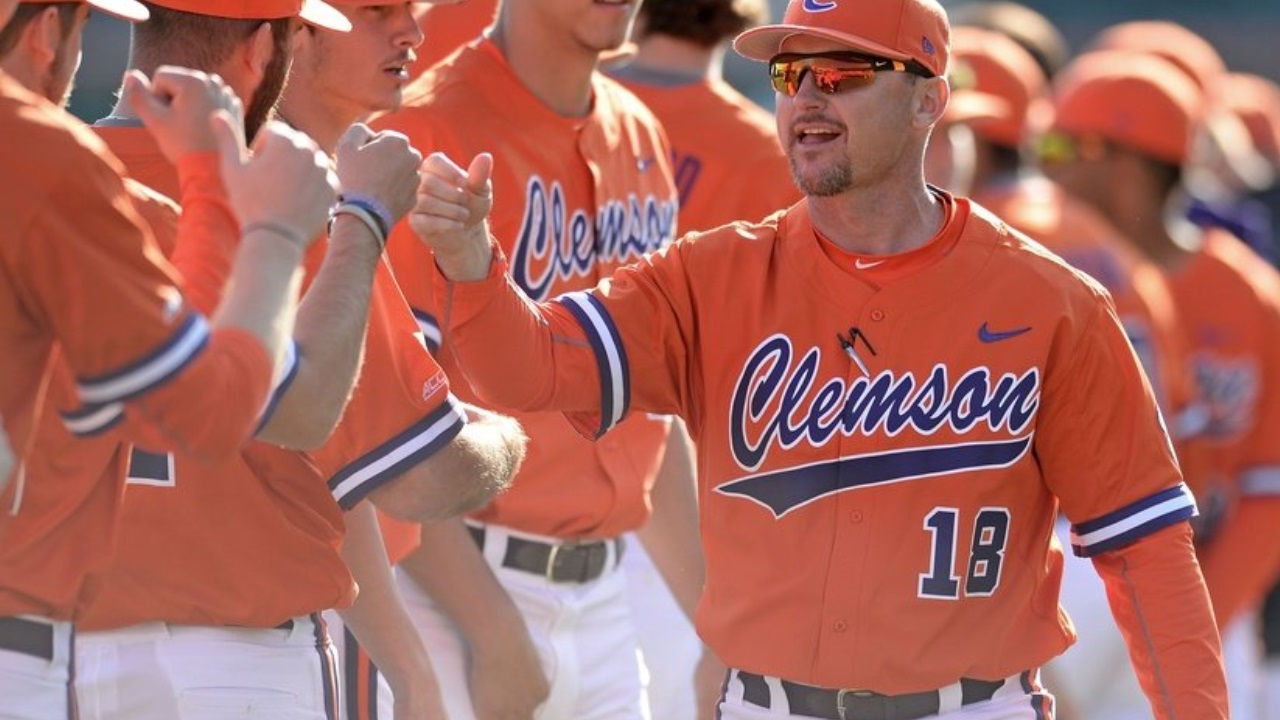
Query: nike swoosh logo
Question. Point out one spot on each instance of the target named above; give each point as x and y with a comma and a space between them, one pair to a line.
866, 265
645, 163
988, 335
817, 6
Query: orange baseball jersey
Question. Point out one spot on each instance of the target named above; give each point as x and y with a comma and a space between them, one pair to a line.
287, 505
908, 436
1143, 300
1229, 299
83, 275
449, 26
727, 162
576, 198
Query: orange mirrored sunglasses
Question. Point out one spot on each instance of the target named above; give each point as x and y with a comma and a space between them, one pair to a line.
832, 72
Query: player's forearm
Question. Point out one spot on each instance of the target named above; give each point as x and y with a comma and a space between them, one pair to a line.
449, 566
378, 617
262, 292
513, 350
461, 477
330, 331
467, 261
671, 534
208, 232
1160, 603
1241, 562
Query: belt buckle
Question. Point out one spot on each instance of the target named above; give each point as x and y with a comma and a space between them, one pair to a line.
840, 695
550, 573
555, 556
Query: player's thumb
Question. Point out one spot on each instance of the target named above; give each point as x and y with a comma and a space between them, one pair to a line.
229, 135
357, 135
479, 173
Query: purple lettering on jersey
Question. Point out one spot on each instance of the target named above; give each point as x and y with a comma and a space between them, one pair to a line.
559, 243
1230, 390
775, 403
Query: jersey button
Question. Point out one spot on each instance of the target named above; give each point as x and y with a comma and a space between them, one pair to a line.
840, 626
877, 314
855, 517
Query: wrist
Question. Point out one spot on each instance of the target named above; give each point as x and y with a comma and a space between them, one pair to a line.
469, 261
377, 211
278, 232
347, 212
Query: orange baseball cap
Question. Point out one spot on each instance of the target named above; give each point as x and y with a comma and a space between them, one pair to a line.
1256, 101
1001, 67
1191, 53
1134, 100
976, 108
315, 12
124, 9
897, 29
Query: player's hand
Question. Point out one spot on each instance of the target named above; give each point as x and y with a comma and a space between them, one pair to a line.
507, 681
708, 684
286, 183
382, 166
176, 104
450, 214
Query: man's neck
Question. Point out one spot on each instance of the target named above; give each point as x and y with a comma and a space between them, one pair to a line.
24, 73
557, 73
884, 219
309, 113
673, 56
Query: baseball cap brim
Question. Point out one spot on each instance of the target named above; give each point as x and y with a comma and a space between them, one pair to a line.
764, 42
974, 106
324, 15
128, 10
124, 9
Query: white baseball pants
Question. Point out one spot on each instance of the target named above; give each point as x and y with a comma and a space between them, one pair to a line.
158, 671
35, 684
668, 643
583, 632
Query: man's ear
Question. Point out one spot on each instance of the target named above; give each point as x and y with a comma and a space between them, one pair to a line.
930, 101
258, 49
43, 36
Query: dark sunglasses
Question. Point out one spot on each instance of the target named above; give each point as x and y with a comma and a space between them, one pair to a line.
833, 72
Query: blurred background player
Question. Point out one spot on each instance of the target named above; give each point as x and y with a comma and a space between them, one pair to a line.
727, 160
523, 607
1223, 164
1123, 130
142, 361
1033, 31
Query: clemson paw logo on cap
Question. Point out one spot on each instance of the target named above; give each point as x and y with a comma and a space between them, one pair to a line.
817, 6
927, 44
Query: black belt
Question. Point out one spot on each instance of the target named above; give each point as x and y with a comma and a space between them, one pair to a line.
568, 562
27, 637
819, 702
